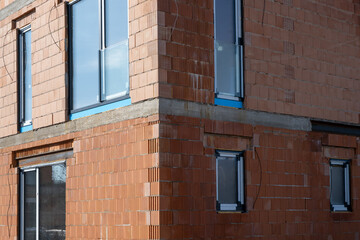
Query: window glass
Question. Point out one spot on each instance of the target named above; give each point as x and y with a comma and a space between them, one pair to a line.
116, 71
116, 21
337, 185
85, 53
228, 48
340, 185
30, 205
100, 52
27, 77
52, 202
225, 21
24, 81
42, 202
227, 179
226, 70
230, 195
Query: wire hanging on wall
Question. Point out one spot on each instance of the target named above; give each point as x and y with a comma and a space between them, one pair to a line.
261, 172
3, 57
263, 13
51, 32
175, 21
10, 200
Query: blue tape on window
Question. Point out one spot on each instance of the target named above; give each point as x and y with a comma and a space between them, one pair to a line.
228, 103
26, 128
103, 108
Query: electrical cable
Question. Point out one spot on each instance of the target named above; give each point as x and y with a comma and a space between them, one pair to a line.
263, 14
51, 33
10, 200
3, 57
261, 172
175, 21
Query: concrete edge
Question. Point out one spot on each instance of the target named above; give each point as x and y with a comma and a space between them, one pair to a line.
161, 106
192, 109
137, 110
13, 7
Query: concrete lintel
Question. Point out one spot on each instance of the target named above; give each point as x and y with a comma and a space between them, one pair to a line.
137, 110
13, 7
192, 109
162, 106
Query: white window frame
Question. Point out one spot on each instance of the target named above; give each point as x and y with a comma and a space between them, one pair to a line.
240, 189
239, 41
345, 164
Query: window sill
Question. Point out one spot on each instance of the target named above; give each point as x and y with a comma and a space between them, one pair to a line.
26, 128
100, 109
340, 209
228, 103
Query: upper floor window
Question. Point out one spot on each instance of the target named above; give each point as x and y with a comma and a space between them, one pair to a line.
24, 79
340, 185
229, 48
99, 63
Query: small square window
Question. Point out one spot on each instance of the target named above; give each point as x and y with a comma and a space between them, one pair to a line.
230, 186
340, 185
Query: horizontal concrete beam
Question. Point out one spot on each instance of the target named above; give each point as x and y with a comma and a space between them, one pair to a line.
13, 7
192, 109
138, 110
161, 106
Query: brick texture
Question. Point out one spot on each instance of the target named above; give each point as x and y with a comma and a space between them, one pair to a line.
315, 42
287, 181
154, 177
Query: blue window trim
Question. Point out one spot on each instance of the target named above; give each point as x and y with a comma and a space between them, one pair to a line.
26, 128
100, 109
228, 103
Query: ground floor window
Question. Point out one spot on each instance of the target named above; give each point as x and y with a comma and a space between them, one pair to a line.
340, 185
42, 201
230, 186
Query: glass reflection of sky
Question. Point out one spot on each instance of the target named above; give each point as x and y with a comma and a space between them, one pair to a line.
85, 52
27, 75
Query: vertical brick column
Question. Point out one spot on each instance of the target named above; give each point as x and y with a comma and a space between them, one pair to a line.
49, 58
143, 50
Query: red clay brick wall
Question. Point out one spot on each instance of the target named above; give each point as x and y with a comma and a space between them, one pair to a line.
143, 50
187, 62
49, 102
49, 59
301, 56
287, 182
49, 64
112, 182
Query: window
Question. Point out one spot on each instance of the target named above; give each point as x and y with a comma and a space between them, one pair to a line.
340, 185
42, 202
99, 63
230, 181
229, 48
24, 76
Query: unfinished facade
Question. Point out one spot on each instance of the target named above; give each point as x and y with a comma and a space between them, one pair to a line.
180, 119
